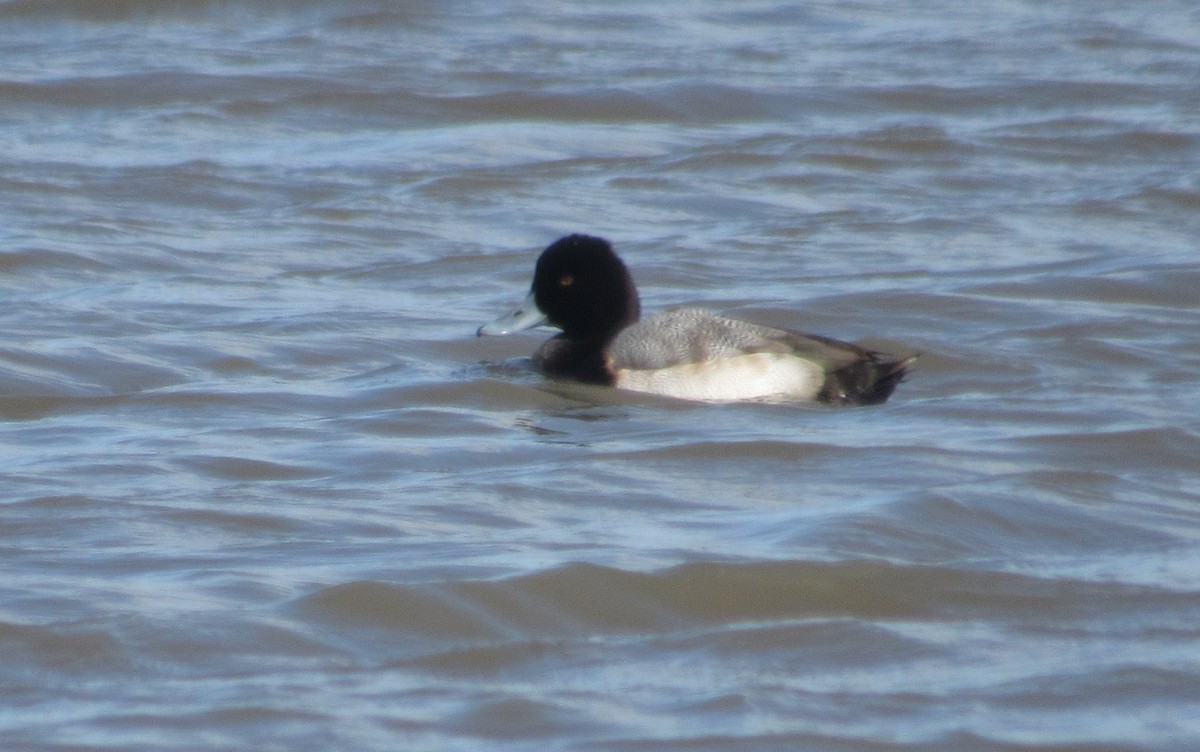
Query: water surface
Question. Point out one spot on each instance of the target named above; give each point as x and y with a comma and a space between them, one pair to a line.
264, 489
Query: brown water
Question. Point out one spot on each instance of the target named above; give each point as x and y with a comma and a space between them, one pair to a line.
263, 489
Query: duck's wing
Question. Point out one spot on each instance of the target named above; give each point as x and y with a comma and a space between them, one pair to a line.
693, 335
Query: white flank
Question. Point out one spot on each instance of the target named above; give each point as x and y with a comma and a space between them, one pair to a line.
745, 377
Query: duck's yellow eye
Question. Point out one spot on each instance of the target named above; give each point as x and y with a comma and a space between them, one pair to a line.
566, 281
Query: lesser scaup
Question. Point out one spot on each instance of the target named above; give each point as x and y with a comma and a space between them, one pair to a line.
583, 288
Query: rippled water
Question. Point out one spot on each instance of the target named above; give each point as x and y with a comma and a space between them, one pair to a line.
264, 489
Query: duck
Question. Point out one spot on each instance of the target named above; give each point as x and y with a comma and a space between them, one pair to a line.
582, 287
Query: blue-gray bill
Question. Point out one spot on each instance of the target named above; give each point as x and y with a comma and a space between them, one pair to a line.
526, 316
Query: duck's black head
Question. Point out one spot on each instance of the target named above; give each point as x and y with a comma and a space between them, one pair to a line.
584, 288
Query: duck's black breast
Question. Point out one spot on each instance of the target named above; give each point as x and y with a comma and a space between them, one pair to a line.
582, 360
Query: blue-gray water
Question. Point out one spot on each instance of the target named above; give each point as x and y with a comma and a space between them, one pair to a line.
261, 488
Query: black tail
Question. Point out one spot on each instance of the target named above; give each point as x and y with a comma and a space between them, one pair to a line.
869, 381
